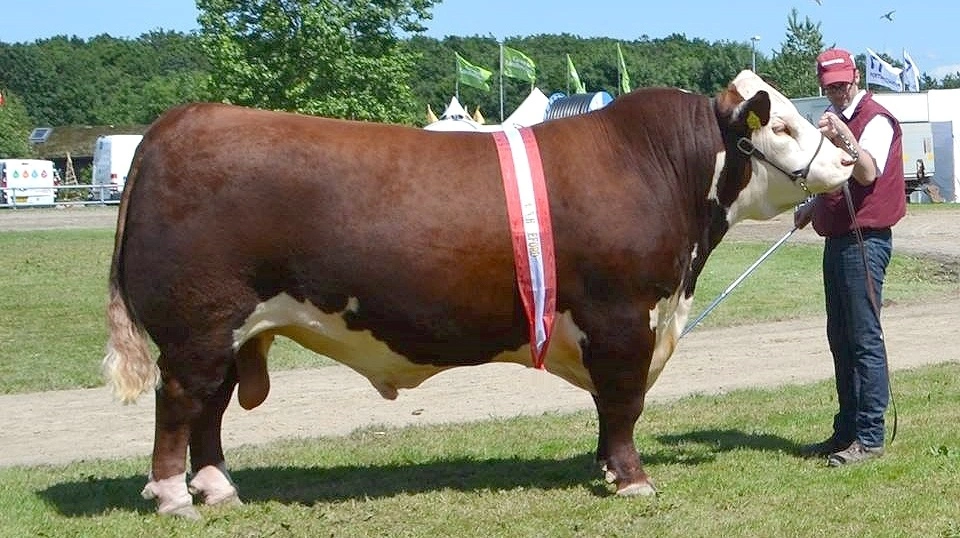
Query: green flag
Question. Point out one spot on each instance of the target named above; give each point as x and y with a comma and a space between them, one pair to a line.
518, 65
472, 75
576, 86
622, 71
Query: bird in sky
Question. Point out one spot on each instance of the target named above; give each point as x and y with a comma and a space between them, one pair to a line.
819, 2
888, 15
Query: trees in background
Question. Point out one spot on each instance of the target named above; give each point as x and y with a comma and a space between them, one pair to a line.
349, 60
340, 59
15, 127
103, 80
793, 69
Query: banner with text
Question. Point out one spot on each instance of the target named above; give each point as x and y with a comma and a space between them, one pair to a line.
881, 73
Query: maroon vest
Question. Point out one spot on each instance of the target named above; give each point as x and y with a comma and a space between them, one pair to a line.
878, 205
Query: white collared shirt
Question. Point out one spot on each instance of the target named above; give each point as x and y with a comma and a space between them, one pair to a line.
877, 135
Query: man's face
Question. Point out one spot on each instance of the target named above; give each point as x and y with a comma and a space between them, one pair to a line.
841, 94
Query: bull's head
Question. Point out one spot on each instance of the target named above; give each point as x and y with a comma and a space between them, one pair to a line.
774, 157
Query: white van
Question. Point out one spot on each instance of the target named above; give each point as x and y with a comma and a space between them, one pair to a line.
26, 182
111, 163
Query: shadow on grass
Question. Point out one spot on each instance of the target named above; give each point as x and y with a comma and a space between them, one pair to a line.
727, 440
309, 485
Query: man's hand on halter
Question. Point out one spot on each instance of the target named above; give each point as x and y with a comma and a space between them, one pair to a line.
837, 132
864, 168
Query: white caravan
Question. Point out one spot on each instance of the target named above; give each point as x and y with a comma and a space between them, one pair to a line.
28, 182
111, 163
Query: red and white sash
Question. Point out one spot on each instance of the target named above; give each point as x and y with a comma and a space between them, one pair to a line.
529, 212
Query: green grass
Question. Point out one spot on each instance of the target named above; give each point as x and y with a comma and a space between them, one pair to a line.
789, 283
724, 465
53, 292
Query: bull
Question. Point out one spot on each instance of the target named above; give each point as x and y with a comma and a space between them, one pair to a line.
388, 249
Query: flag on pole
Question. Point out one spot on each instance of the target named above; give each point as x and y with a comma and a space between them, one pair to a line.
622, 71
881, 73
911, 74
518, 65
472, 75
576, 85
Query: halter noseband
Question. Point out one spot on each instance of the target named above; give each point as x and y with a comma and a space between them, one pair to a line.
797, 176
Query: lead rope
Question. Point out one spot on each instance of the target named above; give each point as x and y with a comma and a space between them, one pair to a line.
872, 295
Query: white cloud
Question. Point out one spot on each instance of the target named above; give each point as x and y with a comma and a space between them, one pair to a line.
943, 70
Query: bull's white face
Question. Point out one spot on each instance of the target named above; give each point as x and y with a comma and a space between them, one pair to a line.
792, 143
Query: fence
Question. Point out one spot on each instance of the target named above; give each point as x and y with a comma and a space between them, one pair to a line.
64, 195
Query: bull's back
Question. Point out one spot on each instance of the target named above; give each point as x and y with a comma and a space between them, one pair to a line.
234, 206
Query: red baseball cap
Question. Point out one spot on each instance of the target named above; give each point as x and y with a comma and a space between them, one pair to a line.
835, 65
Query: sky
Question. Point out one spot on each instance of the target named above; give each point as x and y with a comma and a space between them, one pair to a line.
927, 29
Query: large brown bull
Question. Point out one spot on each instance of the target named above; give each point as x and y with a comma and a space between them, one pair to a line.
388, 249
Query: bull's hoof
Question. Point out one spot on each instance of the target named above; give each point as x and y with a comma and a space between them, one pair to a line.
182, 511
643, 489
228, 501
180, 506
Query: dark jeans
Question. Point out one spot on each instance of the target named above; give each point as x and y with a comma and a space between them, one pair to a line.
855, 335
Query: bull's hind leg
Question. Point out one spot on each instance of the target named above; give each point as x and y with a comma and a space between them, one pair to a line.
211, 481
194, 391
168, 477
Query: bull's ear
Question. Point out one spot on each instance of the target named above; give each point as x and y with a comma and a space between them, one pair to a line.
755, 113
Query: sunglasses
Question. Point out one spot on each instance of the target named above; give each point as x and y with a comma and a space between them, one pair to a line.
839, 87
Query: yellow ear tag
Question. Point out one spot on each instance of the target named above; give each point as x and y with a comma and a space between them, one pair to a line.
753, 121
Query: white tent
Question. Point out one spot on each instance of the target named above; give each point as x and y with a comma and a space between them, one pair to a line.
456, 118
531, 111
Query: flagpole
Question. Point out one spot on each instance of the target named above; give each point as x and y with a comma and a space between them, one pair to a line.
501, 82
456, 70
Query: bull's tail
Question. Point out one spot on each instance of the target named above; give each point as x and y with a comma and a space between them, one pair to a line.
127, 367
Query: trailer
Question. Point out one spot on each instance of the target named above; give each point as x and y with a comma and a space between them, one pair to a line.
28, 182
112, 156
929, 121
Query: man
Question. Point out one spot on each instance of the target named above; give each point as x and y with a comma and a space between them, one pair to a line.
853, 278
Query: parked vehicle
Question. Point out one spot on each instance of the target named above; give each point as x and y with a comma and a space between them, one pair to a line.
28, 182
111, 163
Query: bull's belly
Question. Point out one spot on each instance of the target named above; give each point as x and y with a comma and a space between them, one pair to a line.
667, 320
327, 334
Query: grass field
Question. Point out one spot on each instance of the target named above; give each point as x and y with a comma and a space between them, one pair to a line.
53, 292
724, 465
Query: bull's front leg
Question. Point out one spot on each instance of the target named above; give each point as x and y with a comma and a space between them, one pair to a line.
619, 377
602, 449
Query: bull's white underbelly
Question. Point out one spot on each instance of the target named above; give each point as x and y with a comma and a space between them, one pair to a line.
667, 319
327, 334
